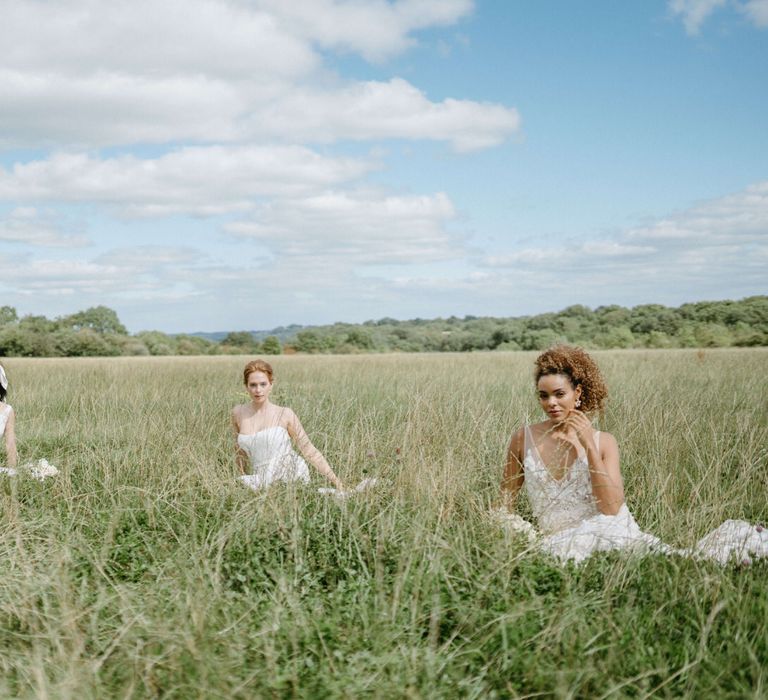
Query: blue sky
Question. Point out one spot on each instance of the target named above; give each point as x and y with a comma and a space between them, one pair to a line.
243, 164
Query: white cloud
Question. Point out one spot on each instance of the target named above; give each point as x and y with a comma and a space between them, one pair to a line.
376, 29
695, 12
146, 38
756, 11
718, 247
377, 110
84, 74
26, 225
195, 180
127, 109
356, 228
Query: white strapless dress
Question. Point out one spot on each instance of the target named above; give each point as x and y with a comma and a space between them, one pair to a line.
272, 458
571, 527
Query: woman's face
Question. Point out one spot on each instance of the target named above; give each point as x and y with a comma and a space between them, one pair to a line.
258, 387
557, 395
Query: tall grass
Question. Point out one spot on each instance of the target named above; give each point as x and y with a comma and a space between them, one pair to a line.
143, 570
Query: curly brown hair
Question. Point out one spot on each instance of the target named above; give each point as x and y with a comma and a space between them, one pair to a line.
580, 368
257, 366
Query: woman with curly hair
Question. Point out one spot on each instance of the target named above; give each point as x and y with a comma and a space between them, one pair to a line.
572, 478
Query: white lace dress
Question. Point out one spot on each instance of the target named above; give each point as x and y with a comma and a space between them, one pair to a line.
572, 527
272, 458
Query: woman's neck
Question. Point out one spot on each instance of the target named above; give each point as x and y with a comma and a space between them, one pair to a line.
261, 408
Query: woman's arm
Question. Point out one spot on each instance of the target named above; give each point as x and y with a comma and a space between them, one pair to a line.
241, 459
514, 475
604, 470
10, 440
310, 452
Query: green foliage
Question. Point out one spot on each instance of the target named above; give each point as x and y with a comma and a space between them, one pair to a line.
100, 319
242, 341
7, 315
704, 324
271, 345
707, 324
145, 570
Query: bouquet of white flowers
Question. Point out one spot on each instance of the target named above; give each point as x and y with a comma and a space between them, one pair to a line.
41, 469
514, 524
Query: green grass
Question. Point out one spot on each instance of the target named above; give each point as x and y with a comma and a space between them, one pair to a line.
143, 570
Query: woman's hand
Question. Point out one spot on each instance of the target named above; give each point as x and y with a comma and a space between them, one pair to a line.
582, 426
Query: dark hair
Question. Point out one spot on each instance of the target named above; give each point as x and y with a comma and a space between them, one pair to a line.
3, 394
581, 370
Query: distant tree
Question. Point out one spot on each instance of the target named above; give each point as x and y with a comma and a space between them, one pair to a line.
7, 315
540, 339
101, 319
37, 324
194, 345
657, 339
135, 347
612, 315
308, 341
157, 343
576, 310
241, 340
271, 346
83, 343
360, 339
618, 337
25, 342
654, 317
745, 335
712, 335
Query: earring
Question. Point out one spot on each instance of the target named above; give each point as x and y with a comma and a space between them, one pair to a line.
578, 403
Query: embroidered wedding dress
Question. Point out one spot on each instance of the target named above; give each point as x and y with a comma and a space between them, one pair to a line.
571, 527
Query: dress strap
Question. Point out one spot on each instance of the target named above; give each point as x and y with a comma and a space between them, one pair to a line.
527, 439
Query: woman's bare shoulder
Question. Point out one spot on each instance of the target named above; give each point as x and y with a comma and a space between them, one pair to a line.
518, 437
607, 439
286, 414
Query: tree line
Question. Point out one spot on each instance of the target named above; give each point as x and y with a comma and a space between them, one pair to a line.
98, 332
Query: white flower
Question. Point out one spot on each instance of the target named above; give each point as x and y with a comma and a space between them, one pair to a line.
40, 469
513, 523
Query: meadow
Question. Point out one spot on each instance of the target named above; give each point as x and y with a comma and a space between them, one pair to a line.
143, 570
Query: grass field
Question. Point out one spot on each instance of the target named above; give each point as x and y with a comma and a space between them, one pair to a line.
143, 570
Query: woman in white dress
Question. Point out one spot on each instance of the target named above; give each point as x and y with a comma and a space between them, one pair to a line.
7, 424
263, 434
572, 478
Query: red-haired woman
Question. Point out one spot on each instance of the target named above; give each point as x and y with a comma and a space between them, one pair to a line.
264, 433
